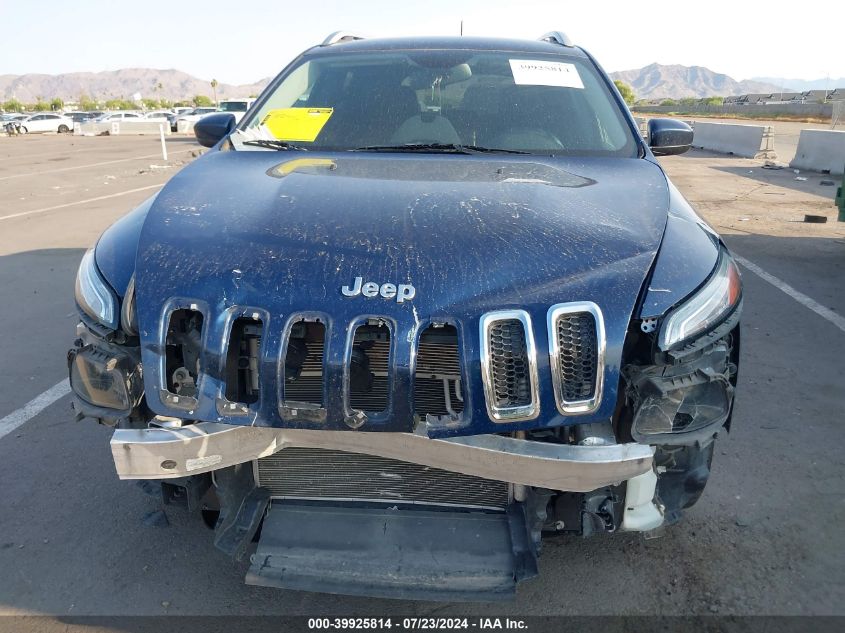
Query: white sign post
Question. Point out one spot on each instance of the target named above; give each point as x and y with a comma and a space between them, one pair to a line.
163, 146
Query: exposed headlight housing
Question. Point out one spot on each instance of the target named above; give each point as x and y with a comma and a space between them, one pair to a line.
713, 302
93, 295
128, 313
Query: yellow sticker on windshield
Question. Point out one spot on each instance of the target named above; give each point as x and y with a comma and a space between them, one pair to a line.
297, 124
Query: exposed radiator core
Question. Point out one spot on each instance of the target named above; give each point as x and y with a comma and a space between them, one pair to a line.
311, 473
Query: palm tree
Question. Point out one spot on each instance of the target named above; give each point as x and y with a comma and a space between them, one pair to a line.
214, 88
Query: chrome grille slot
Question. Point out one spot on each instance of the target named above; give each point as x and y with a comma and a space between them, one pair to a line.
509, 362
576, 355
312, 473
509, 366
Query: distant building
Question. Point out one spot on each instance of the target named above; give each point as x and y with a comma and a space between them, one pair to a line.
753, 99
783, 97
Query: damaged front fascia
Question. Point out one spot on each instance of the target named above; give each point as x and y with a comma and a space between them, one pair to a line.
242, 507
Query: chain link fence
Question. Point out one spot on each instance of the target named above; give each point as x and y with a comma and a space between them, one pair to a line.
838, 115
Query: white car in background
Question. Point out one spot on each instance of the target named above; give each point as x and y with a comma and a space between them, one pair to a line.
193, 116
119, 116
46, 122
158, 115
238, 107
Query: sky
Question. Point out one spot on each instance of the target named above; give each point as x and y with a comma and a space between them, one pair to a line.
242, 43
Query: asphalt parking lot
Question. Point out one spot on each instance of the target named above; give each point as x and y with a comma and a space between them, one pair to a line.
766, 538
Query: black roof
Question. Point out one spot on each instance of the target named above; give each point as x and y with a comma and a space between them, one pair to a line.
450, 43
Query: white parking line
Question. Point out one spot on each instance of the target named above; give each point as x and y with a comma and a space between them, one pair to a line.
48, 172
826, 313
78, 202
33, 407
19, 158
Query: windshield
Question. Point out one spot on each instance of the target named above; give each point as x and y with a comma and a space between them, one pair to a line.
549, 104
233, 106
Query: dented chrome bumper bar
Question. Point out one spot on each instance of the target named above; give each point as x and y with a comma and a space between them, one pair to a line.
159, 453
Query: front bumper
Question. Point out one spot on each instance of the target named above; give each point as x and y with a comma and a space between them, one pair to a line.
166, 453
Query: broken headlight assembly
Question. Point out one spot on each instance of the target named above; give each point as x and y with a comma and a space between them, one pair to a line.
105, 377
687, 394
708, 307
93, 295
689, 399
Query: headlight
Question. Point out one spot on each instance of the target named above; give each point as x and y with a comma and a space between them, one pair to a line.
707, 307
128, 314
93, 295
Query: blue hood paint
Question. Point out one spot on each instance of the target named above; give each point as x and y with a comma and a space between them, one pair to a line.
280, 234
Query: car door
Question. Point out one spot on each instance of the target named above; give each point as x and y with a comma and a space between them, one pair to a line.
36, 123
52, 122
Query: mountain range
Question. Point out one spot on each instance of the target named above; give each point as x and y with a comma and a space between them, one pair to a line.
150, 83
657, 81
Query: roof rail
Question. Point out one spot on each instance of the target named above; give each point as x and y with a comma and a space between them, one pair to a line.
557, 37
340, 36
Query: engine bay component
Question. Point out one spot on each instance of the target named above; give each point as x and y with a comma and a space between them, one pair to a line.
304, 364
368, 369
182, 361
243, 360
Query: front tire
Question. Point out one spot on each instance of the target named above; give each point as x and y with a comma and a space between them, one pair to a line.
63, 129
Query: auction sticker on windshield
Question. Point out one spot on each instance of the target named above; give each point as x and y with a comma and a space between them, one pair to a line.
529, 72
297, 124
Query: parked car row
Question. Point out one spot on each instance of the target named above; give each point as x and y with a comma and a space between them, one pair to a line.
237, 107
63, 121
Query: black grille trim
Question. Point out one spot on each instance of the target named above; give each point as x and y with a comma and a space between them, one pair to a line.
509, 366
576, 356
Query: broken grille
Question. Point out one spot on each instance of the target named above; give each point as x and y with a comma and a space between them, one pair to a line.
509, 365
438, 390
576, 333
312, 473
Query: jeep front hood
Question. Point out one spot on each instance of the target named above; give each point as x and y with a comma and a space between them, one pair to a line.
284, 232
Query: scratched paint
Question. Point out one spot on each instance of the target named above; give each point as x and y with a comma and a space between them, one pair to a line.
471, 234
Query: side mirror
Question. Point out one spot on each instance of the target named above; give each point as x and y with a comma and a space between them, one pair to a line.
210, 129
669, 136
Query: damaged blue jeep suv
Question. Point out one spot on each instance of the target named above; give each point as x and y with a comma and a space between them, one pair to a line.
429, 302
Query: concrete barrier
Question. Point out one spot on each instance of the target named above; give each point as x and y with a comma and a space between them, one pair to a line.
642, 125
126, 127
185, 127
820, 150
748, 141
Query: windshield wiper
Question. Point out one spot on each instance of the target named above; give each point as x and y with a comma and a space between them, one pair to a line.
274, 144
449, 148
414, 147
492, 150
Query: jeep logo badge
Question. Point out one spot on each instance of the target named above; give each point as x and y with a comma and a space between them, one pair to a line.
401, 292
